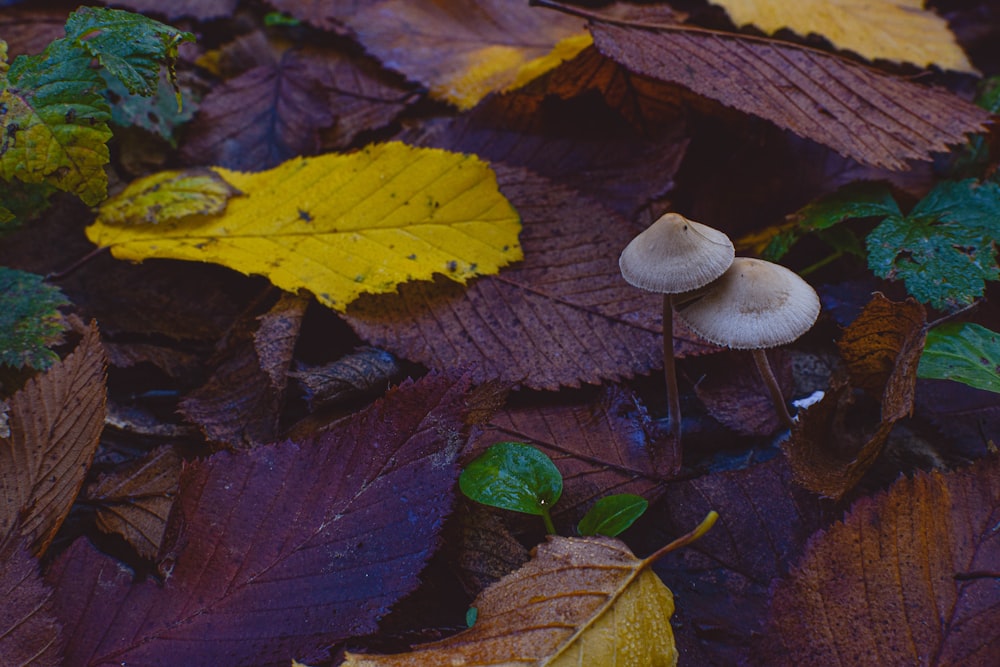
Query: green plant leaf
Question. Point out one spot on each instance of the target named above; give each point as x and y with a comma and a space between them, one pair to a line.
612, 514
54, 122
29, 319
129, 46
23, 202
513, 476
944, 250
157, 114
963, 352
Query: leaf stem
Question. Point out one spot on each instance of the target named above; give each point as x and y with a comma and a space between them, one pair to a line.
684, 540
58, 275
550, 527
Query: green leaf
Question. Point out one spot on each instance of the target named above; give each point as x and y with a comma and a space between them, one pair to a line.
157, 114
856, 200
29, 319
277, 19
513, 476
612, 514
53, 122
23, 201
944, 250
129, 46
963, 352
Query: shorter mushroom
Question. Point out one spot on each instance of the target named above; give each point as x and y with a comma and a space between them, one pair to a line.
673, 256
755, 305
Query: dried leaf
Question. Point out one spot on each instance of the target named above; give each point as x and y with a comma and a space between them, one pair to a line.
342, 225
202, 10
562, 317
283, 550
909, 577
861, 113
896, 30
366, 372
734, 394
835, 442
135, 501
578, 601
55, 425
29, 631
487, 550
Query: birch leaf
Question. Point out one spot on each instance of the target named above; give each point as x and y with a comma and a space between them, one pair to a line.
896, 30
338, 225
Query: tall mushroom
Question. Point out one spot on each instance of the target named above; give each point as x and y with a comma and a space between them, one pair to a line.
675, 255
755, 305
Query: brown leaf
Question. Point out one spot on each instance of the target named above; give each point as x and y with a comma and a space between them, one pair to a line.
173, 362
282, 550
909, 577
281, 109
579, 601
135, 500
562, 317
29, 631
366, 372
603, 447
29, 31
734, 394
835, 442
487, 550
239, 406
55, 424
873, 117
202, 10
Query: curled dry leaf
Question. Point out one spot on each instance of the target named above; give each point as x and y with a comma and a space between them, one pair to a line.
909, 577
873, 117
55, 423
30, 634
585, 600
365, 372
836, 441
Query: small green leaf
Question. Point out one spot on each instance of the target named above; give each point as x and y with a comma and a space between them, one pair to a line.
963, 352
944, 250
471, 615
29, 319
513, 476
612, 514
277, 19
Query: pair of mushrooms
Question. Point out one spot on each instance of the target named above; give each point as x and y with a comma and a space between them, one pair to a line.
736, 302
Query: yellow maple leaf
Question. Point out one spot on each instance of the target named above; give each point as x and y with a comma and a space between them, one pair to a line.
336, 225
896, 30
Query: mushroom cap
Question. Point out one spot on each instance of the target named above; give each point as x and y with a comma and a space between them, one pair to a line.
676, 255
755, 304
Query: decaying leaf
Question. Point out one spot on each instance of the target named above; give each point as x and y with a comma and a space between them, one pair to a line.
365, 372
135, 501
859, 112
579, 601
909, 577
30, 634
835, 441
896, 30
731, 388
564, 316
280, 551
487, 550
55, 422
202, 10
343, 225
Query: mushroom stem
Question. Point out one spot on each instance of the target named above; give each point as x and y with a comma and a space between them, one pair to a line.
760, 356
670, 374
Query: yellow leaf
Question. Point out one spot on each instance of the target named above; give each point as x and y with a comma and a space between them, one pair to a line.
169, 195
340, 225
579, 601
896, 30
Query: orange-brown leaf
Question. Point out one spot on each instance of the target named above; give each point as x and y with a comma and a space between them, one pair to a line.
909, 578
55, 422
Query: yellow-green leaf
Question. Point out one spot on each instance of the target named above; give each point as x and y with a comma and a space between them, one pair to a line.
169, 195
896, 30
341, 225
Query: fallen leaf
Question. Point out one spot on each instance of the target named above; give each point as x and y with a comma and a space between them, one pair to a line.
202, 10
400, 213
30, 321
280, 551
731, 389
487, 550
872, 117
365, 372
562, 317
834, 442
134, 501
968, 419
909, 577
55, 425
895, 30
192, 192
29, 631
585, 600
964, 352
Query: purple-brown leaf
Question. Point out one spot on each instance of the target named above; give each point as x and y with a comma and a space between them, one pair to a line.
29, 631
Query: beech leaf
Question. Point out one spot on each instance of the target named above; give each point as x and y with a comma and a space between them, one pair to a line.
55, 423
909, 577
896, 30
964, 352
579, 601
872, 117
29, 631
340, 225
280, 551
